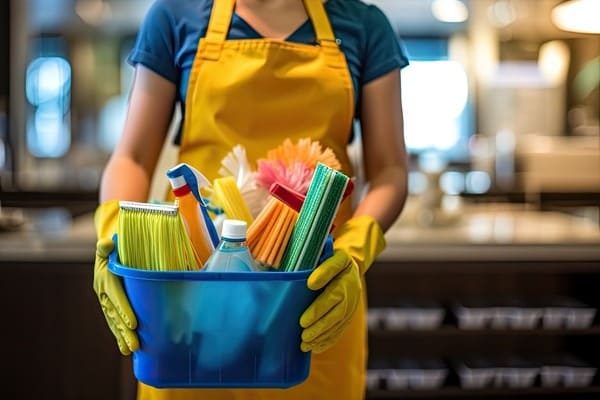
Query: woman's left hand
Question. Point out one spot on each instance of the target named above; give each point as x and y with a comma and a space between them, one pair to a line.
325, 319
359, 241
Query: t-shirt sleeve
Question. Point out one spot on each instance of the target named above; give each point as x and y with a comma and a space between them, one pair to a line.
154, 47
383, 49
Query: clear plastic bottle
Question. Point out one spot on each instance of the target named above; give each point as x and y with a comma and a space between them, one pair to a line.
232, 254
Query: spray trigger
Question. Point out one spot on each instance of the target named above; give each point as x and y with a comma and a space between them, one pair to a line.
192, 177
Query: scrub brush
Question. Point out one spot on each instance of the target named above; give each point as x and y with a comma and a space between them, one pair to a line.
154, 237
227, 196
315, 219
269, 234
236, 164
293, 165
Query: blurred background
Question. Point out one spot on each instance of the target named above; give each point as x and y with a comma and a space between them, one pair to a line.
514, 96
502, 122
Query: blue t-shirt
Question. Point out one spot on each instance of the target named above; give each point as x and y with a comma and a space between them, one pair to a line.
168, 39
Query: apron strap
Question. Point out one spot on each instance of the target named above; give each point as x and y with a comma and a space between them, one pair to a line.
218, 26
318, 16
324, 33
220, 19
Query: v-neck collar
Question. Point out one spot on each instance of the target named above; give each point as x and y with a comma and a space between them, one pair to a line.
260, 36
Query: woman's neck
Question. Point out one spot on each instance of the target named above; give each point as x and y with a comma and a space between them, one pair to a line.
275, 19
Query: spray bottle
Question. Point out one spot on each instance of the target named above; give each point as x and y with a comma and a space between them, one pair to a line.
186, 182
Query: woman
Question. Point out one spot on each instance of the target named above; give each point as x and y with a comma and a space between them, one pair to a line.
254, 72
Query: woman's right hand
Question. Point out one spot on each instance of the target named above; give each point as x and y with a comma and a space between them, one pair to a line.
113, 300
115, 306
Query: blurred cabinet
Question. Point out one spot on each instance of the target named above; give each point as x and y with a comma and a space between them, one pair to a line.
423, 344
55, 341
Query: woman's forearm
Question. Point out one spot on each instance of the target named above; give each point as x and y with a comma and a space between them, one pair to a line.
123, 179
384, 152
129, 171
385, 197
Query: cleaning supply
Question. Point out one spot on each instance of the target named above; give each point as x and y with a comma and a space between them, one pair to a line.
232, 254
236, 164
183, 175
199, 225
117, 311
295, 200
154, 237
227, 196
293, 165
315, 219
237, 309
288, 196
268, 236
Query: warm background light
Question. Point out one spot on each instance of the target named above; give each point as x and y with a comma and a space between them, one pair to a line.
578, 16
553, 62
450, 10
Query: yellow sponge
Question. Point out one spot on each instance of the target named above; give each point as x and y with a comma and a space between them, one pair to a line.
228, 197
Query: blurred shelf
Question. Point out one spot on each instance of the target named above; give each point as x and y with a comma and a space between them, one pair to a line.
493, 259
490, 253
478, 393
449, 330
545, 198
78, 202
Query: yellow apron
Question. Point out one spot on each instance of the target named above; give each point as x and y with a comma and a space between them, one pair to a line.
257, 92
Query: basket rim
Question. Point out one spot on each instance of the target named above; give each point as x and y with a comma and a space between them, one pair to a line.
123, 271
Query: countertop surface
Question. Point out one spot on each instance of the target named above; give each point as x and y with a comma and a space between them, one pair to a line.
50, 236
477, 232
494, 232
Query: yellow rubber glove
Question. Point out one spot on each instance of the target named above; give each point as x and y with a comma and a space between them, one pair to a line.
115, 305
358, 243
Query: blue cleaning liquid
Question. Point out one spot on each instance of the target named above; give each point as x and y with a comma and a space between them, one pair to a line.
232, 254
218, 348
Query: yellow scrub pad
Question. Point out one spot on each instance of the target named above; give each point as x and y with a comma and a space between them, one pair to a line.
227, 196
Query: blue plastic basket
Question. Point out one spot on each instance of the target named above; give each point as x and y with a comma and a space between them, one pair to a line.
219, 330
